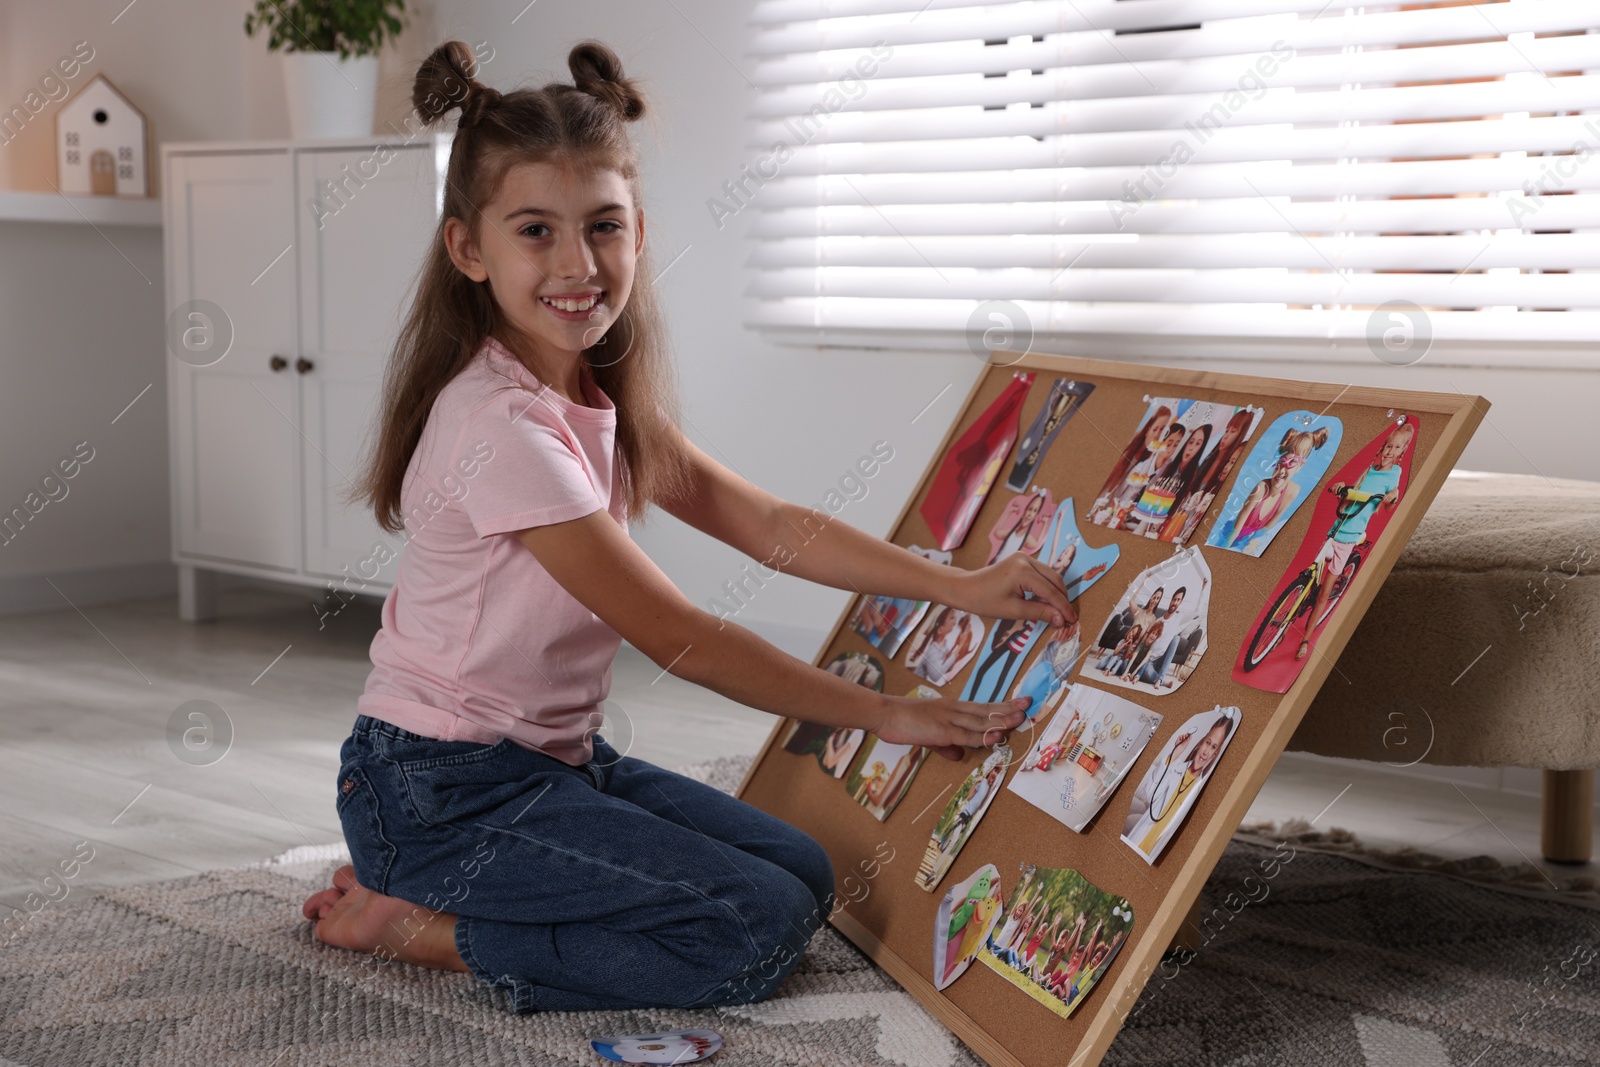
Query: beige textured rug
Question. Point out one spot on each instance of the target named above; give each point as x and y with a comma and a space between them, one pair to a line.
1341, 963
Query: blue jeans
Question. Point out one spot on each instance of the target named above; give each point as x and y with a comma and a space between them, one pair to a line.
612, 885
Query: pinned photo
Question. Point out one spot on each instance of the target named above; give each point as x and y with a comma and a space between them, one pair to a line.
1082, 754
883, 771
1059, 936
966, 915
887, 621
1157, 632
806, 738
1173, 468
1008, 642
945, 642
1046, 677
1022, 524
961, 815
857, 667
1281, 473
1173, 782
1066, 552
970, 466
1059, 406
1349, 516
671, 1046
838, 749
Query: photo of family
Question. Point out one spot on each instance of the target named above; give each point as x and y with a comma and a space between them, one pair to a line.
1046, 677
1174, 781
1022, 524
945, 642
1066, 552
1003, 651
965, 916
971, 466
1081, 755
1351, 512
1174, 467
1280, 473
1156, 634
1058, 938
882, 773
961, 815
1063, 402
887, 621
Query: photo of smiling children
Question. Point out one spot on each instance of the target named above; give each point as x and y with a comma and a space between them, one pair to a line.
1349, 516
1177, 459
1279, 475
1174, 781
1063, 402
1059, 936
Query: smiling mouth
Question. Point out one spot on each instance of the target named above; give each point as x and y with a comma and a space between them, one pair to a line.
573, 305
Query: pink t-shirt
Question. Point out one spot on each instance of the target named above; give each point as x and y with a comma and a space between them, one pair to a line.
478, 641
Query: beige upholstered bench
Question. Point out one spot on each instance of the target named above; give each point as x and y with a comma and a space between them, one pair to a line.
1482, 649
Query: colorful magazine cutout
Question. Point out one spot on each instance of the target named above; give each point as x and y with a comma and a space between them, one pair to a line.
1175, 780
1173, 467
1059, 936
671, 1046
884, 621
1352, 510
882, 772
1022, 524
1082, 754
961, 815
945, 642
1065, 550
1281, 473
965, 916
1063, 402
1001, 656
970, 467
1045, 680
1156, 634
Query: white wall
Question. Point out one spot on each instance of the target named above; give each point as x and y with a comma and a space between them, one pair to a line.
790, 419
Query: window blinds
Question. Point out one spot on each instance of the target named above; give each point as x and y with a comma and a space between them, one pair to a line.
1201, 169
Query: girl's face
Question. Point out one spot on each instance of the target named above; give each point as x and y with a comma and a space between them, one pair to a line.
1158, 426
1192, 446
1031, 510
1230, 434
552, 232
1206, 750
1169, 444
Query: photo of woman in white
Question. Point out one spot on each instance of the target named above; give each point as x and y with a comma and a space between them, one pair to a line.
1169, 788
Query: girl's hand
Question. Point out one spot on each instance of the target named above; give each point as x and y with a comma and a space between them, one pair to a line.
997, 591
949, 727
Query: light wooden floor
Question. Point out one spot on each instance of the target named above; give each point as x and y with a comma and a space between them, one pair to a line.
85, 700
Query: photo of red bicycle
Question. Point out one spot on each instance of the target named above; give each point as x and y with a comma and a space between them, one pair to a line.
1351, 514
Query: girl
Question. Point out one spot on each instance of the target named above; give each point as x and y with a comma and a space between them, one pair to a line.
528, 418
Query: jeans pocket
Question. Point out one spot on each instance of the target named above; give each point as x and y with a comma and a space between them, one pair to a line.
371, 852
457, 785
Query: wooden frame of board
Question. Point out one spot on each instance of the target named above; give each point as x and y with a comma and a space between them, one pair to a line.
891, 918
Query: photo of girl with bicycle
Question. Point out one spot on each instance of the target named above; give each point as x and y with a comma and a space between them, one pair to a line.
1351, 513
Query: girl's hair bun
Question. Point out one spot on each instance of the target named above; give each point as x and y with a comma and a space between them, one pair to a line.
445, 81
596, 70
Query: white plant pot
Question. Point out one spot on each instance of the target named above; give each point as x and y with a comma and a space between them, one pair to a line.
329, 96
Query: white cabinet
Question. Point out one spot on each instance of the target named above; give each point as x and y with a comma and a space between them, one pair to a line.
294, 262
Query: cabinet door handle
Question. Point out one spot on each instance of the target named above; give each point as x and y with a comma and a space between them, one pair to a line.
304, 365
277, 363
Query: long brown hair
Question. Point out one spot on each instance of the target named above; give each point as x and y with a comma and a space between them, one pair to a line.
582, 124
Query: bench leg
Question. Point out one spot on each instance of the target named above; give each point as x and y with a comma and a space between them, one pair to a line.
197, 593
1567, 823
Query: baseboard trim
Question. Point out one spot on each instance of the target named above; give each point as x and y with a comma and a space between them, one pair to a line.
88, 585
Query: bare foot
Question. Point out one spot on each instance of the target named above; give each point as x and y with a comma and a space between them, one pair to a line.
351, 916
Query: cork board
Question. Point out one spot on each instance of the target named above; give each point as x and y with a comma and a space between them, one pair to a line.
884, 911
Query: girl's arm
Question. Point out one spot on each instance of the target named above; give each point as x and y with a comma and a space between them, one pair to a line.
821, 548
601, 567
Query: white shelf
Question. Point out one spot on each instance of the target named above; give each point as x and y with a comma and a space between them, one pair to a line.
22, 205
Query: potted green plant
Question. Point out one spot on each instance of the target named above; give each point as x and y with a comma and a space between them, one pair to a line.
330, 59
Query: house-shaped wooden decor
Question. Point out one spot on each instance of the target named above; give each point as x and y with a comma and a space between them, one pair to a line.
102, 143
